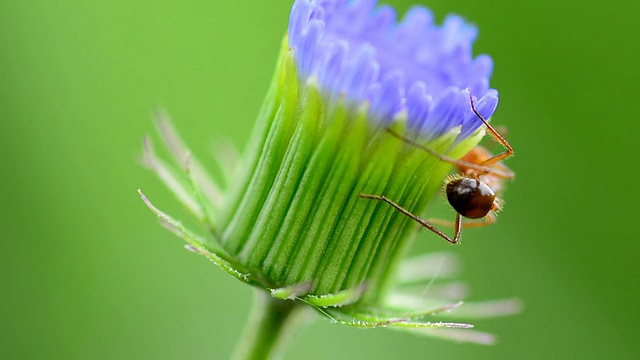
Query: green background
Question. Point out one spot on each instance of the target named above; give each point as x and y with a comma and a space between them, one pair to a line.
86, 272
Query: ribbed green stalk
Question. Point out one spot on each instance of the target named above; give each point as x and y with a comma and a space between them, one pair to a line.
250, 161
271, 325
413, 186
298, 224
271, 156
376, 167
330, 209
299, 218
281, 195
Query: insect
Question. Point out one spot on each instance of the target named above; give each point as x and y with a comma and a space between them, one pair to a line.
471, 192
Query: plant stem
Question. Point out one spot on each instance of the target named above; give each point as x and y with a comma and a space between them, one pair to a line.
269, 328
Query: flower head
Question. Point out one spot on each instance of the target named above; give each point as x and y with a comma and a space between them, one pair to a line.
291, 220
415, 66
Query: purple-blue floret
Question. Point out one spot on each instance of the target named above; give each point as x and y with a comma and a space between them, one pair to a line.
359, 50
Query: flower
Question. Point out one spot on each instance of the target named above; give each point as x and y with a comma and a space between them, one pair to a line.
356, 49
291, 222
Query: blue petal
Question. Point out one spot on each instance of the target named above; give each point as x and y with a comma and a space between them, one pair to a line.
309, 40
360, 51
332, 64
388, 100
360, 73
486, 106
447, 113
298, 19
382, 19
419, 104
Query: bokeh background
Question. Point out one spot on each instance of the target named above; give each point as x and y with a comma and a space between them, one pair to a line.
87, 273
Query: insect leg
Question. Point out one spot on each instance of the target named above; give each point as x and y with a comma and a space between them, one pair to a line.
483, 168
458, 224
494, 134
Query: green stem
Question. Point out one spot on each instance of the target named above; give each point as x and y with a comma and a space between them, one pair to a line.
271, 325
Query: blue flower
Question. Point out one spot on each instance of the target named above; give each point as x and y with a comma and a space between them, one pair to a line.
358, 50
291, 219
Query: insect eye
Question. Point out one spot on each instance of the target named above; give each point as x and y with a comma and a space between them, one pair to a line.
471, 198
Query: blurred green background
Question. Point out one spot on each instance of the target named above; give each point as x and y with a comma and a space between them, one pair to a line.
87, 273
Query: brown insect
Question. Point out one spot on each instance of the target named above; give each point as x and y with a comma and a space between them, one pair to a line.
471, 192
